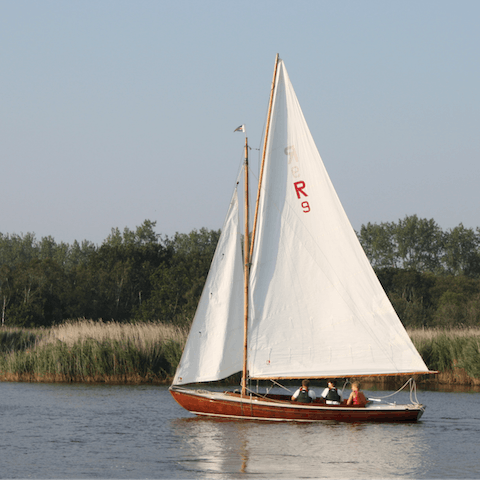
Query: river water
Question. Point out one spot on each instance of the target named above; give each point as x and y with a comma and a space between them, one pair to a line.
92, 431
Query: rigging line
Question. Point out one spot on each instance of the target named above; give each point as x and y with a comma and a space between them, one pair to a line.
280, 385
413, 391
273, 400
238, 177
345, 383
409, 381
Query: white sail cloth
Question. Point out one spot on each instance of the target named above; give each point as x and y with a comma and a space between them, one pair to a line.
214, 349
317, 307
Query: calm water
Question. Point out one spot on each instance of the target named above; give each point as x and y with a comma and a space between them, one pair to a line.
84, 431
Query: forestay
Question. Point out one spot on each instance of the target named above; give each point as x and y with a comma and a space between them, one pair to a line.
214, 347
317, 307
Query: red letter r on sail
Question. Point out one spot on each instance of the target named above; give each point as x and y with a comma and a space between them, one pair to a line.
299, 188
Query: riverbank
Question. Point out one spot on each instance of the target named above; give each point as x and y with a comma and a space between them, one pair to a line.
455, 353
108, 352
92, 352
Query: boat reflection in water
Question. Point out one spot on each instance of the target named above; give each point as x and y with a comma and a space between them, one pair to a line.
300, 450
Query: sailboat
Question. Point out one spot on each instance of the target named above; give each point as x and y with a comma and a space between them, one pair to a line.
302, 302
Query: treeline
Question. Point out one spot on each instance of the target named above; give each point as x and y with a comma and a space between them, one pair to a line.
431, 276
420, 244
134, 275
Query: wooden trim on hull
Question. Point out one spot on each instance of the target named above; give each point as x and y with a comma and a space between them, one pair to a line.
232, 405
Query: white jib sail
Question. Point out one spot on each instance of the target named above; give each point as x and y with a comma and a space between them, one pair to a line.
317, 305
214, 348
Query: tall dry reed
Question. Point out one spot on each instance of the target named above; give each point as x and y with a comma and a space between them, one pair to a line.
139, 334
85, 350
455, 353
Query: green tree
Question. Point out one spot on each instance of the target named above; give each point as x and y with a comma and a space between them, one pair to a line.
178, 283
410, 294
462, 255
124, 265
379, 244
419, 243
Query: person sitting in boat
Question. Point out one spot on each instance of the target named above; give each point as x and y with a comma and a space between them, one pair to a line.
357, 397
304, 394
331, 395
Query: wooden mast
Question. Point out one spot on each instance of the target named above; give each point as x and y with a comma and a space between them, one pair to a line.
267, 131
249, 249
246, 276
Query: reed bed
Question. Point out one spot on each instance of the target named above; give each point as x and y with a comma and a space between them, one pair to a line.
88, 351
455, 353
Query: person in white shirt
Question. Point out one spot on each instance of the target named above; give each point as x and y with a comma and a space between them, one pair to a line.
331, 395
304, 394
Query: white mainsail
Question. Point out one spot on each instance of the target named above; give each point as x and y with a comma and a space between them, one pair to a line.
214, 349
317, 307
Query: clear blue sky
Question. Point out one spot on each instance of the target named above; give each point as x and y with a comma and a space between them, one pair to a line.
113, 112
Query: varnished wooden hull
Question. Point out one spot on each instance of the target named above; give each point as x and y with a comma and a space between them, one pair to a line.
280, 408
